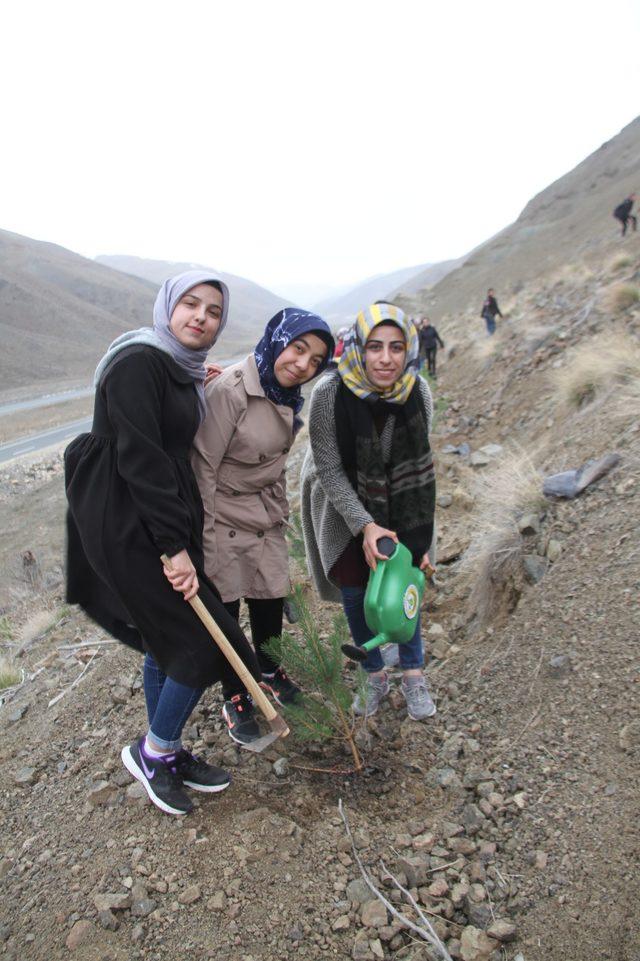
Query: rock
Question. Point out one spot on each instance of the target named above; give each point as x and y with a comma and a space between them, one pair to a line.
424, 842
535, 567
99, 793
491, 450
120, 695
112, 902
459, 892
502, 930
358, 892
80, 933
444, 500
441, 648
376, 948
475, 945
438, 888
217, 901
190, 895
136, 791
478, 459
142, 907
360, 950
629, 735
281, 767
570, 483
343, 923
25, 776
540, 859
554, 550
435, 630
445, 777
373, 914
108, 920
414, 869
529, 524
472, 819
559, 666
479, 915
17, 713
520, 800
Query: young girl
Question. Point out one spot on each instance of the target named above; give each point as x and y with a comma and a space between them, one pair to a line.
369, 474
239, 458
133, 497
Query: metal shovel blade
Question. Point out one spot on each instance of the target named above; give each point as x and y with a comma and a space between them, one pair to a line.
278, 729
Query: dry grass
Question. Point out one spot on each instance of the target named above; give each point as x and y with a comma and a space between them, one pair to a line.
621, 262
599, 365
492, 561
623, 296
9, 674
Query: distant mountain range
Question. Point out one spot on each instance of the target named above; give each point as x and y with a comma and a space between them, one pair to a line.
343, 308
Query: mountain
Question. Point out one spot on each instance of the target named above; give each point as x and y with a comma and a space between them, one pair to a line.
343, 308
59, 311
251, 305
566, 222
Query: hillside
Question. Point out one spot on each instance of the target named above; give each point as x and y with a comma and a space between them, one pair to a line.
58, 311
510, 818
570, 220
251, 305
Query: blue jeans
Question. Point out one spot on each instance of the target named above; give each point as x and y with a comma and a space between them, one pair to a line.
490, 321
169, 705
411, 654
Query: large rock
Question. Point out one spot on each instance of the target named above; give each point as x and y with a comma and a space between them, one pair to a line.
112, 902
80, 933
373, 914
475, 945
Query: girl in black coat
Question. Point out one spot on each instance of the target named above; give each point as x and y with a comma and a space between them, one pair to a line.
132, 497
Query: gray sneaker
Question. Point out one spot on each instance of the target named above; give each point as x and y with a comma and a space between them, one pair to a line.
419, 703
377, 688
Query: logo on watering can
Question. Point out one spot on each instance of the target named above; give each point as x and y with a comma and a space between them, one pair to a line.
411, 601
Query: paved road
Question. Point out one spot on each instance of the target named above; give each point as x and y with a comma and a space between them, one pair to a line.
36, 442
45, 400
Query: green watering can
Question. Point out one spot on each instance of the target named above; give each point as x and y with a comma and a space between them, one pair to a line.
392, 601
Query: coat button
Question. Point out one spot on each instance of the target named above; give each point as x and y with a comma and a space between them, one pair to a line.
260, 533
262, 457
232, 533
285, 450
238, 373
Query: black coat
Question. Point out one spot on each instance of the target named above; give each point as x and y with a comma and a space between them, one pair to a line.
490, 307
623, 210
429, 337
132, 497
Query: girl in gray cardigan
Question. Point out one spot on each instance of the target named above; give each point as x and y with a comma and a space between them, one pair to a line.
368, 474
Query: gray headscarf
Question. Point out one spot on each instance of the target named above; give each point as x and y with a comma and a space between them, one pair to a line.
162, 337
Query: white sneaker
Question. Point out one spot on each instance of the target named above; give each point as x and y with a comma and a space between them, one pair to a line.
419, 702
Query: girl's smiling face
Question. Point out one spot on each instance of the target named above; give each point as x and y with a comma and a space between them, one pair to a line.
197, 315
300, 360
384, 355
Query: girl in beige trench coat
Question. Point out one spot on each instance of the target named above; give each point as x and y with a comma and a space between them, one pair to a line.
239, 459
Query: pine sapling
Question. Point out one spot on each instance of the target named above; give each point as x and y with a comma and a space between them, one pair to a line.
323, 711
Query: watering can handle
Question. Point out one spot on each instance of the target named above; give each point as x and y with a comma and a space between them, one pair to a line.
386, 546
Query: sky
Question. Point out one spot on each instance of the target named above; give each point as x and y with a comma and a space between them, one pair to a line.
299, 143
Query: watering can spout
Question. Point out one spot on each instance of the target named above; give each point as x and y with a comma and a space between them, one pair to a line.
360, 653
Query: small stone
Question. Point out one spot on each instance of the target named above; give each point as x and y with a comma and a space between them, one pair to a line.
358, 892
25, 776
438, 888
120, 695
435, 630
629, 735
559, 666
190, 895
108, 920
142, 907
540, 860
475, 945
281, 767
137, 933
478, 459
80, 933
112, 902
492, 450
444, 500
99, 793
459, 892
520, 800
424, 842
343, 923
373, 914
502, 931
529, 524
535, 567
17, 714
360, 950
217, 901
376, 949
479, 915
554, 550
136, 791
472, 819
414, 869
441, 648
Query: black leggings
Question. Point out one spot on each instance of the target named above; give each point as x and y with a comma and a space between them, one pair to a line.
431, 359
265, 617
628, 219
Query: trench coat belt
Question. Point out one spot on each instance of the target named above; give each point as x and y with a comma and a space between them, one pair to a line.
274, 502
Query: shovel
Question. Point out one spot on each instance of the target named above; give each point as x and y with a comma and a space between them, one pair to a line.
277, 726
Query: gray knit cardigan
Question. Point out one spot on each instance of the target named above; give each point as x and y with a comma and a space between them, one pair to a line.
330, 509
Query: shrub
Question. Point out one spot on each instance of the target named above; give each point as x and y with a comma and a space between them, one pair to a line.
624, 296
597, 365
9, 674
621, 262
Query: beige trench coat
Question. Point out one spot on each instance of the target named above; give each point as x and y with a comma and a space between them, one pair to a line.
239, 458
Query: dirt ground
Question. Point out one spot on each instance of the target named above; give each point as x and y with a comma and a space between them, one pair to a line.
511, 816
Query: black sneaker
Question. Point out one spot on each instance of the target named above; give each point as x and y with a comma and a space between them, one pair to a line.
280, 687
199, 775
241, 721
159, 776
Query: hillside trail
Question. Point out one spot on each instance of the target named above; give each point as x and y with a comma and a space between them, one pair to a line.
512, 815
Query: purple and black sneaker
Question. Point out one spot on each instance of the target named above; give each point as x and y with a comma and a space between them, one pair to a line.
199, 775
159, 776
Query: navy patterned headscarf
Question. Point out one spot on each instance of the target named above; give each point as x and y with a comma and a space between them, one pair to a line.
285, 327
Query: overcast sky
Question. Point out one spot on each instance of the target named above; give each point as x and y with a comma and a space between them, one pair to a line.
294, 142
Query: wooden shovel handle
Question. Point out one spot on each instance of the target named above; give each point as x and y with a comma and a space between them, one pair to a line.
231, 655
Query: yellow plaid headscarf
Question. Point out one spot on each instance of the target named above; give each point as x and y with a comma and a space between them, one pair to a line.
351, 366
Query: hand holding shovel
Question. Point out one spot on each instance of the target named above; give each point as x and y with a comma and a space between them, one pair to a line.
278, 727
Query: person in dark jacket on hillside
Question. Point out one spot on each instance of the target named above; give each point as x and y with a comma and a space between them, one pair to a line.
429, 340
490, 311
624, 215
133, 497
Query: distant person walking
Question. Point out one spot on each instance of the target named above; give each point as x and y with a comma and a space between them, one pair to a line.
624, 215
429, 341
490, 311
